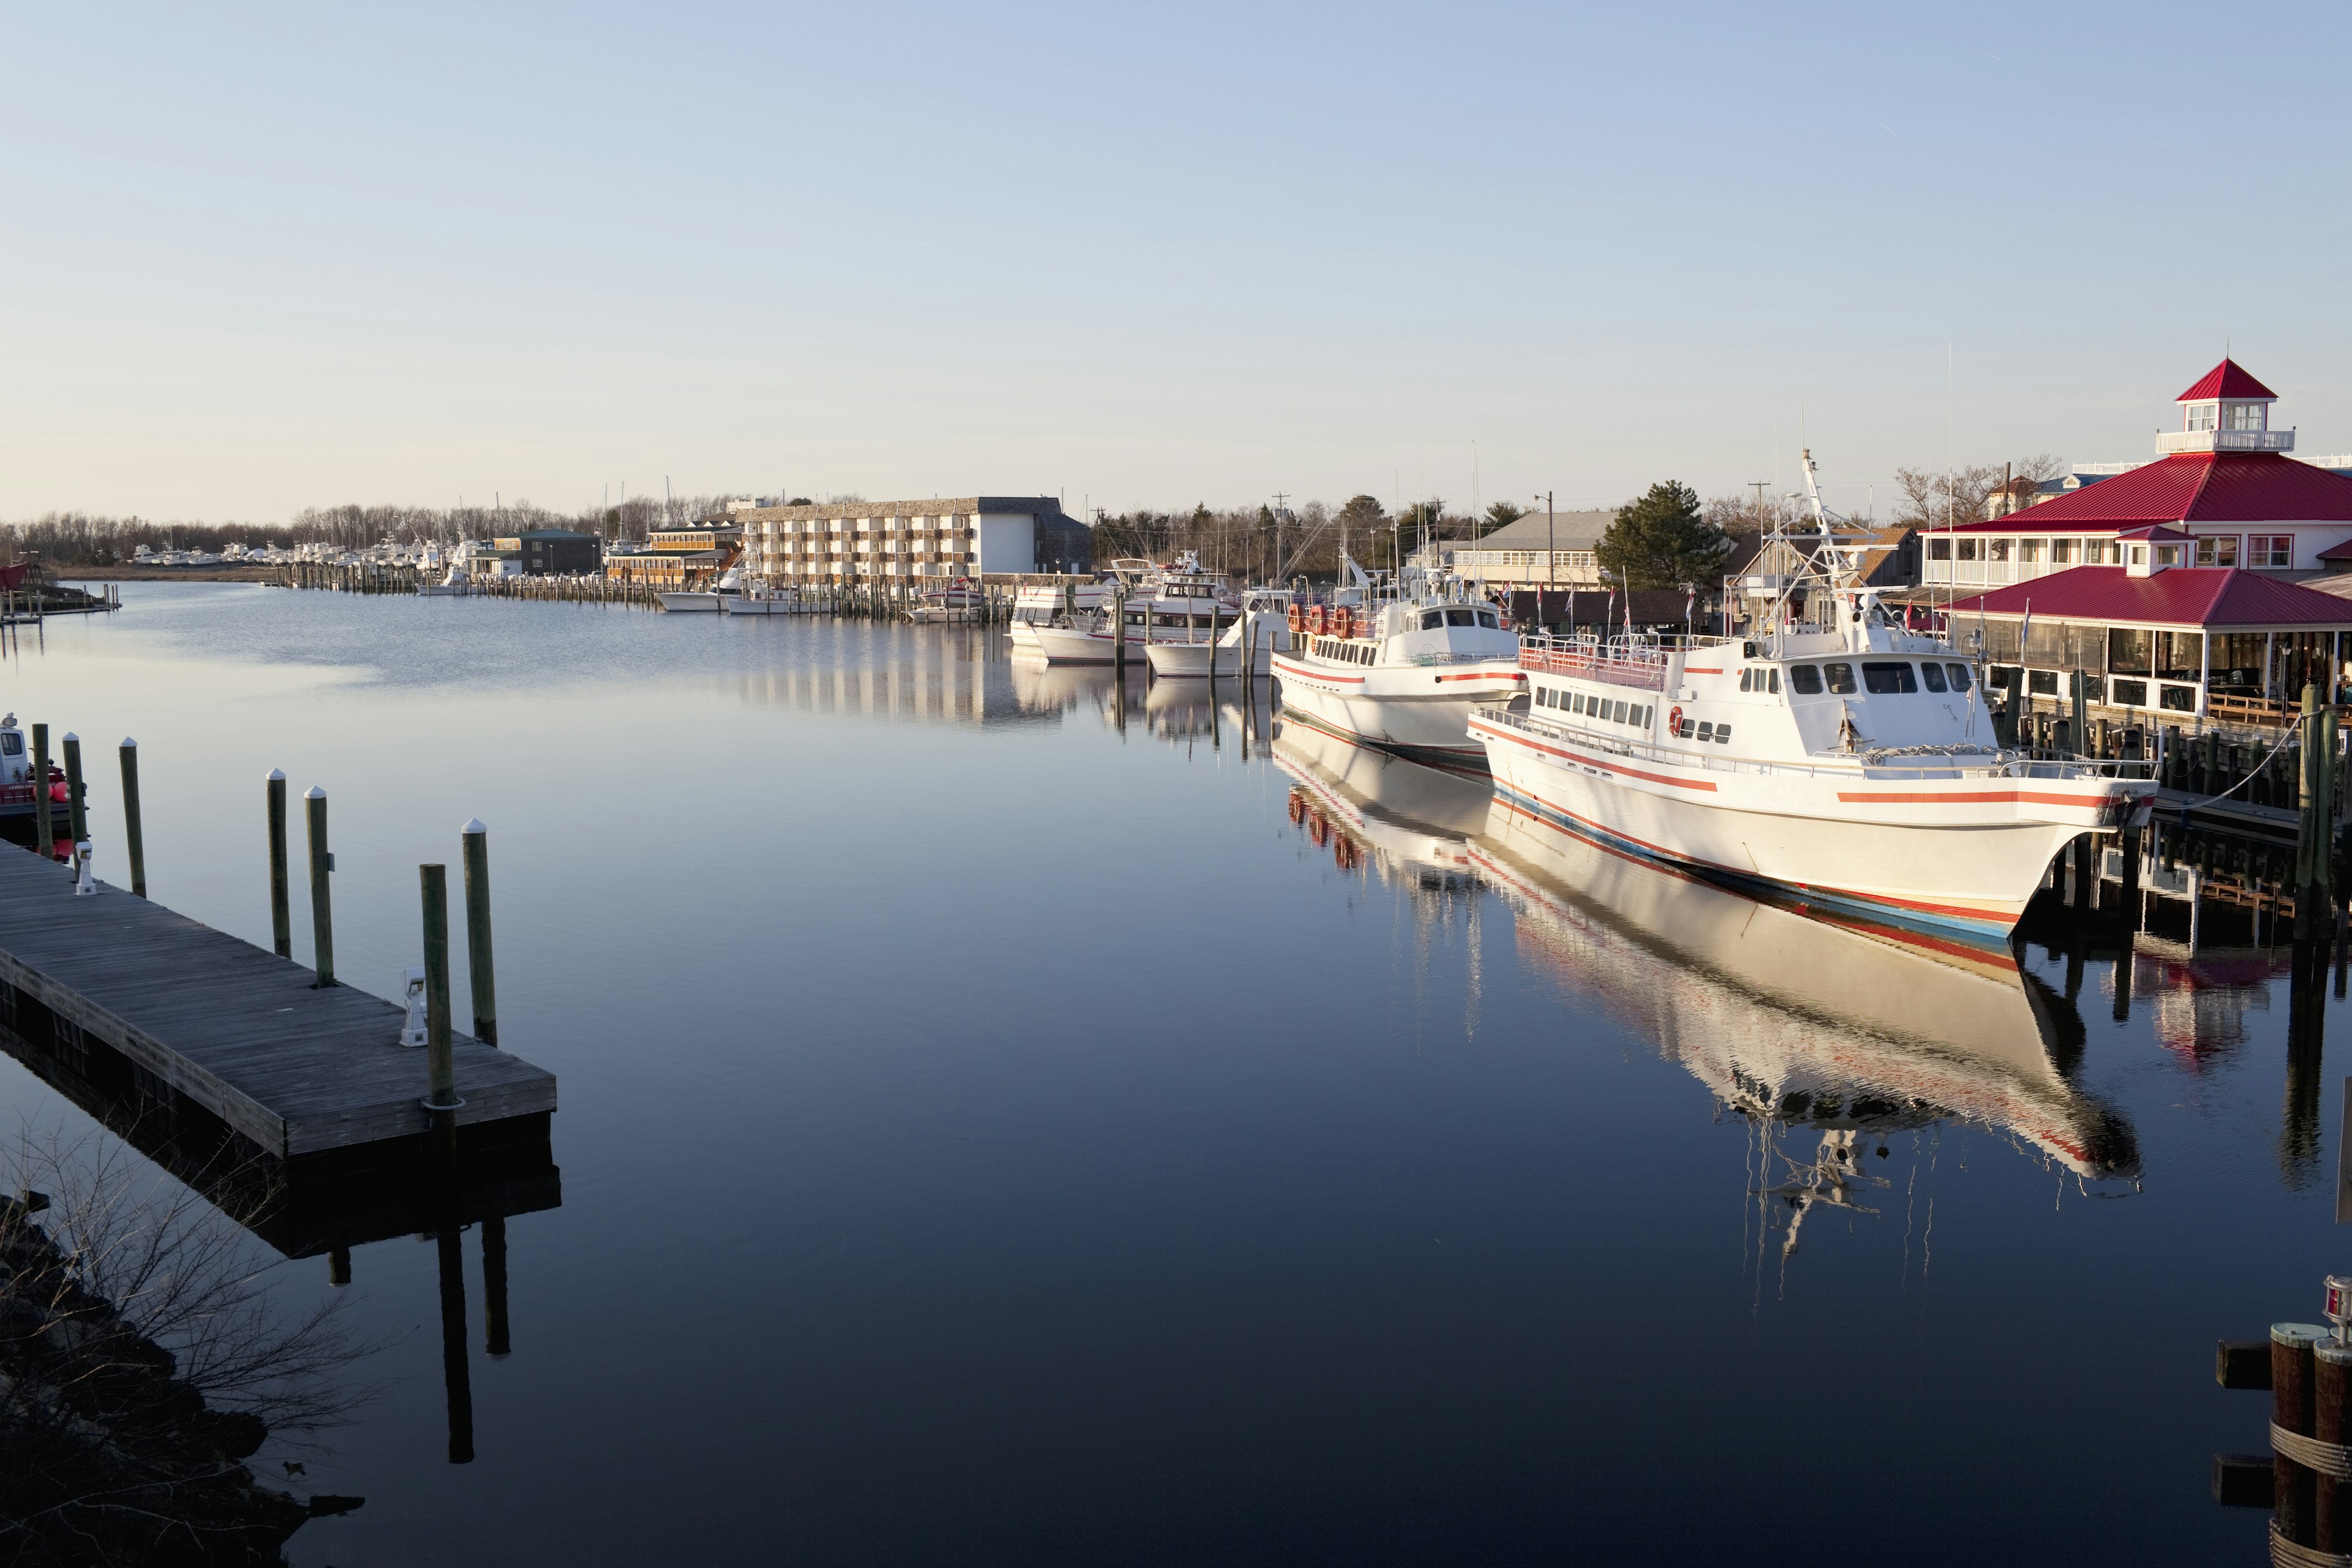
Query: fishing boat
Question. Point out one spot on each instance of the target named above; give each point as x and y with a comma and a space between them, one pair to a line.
958, 601
705, 600
1163, 603
761, 598
1264, 619
1831, 753
1401, 663
20, 790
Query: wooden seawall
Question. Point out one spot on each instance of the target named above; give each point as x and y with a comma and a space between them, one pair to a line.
293, 1070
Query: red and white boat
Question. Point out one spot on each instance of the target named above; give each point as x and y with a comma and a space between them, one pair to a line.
1404, 669
1834, 755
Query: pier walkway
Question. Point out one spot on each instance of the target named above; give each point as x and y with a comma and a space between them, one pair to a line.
293, 1070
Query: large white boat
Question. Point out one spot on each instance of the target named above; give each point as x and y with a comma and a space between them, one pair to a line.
1263, 621
1177, 603
1405, 668
1832, 754
762, 599
705, 600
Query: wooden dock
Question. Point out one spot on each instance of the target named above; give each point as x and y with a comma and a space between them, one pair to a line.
292, 1069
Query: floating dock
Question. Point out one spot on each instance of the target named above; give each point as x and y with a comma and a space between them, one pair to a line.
196, 1013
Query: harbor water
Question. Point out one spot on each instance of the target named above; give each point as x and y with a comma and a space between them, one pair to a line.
1007, 1118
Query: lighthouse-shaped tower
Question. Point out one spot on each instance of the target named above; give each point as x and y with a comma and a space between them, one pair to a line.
2226, 411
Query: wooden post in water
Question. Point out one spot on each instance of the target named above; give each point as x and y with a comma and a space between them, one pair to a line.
281, 918
433, 883
1117, 636
2087, 879
2331, 1383
133, 843
477, 841
494, 1286
1213, 608
2306, 874
42, 824
77, 817
2295, 1495
322, 920
456, 1378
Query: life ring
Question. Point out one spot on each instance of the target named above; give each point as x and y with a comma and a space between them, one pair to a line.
1674, 722
1298, 621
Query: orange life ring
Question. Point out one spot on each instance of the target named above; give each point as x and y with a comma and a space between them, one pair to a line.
1298, 625
1674, 722
1315, 620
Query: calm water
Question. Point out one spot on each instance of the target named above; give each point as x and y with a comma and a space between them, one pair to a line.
990, 1134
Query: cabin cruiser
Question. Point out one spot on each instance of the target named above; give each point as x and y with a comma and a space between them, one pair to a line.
958, 601
761, 598
705, 600
1264, 619
1401, 664
1830, 753
1170, 604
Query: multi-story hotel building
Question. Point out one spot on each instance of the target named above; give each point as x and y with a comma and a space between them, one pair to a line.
959, 537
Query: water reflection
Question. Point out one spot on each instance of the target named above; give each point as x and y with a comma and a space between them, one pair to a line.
1850, 1031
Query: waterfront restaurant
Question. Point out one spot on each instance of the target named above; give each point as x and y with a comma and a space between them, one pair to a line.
2222, 483
2163, 641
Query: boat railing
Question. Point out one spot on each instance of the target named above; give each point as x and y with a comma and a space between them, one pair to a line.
1990, 763
1614, 664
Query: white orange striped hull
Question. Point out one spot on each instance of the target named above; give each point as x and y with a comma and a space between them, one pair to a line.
1419, 711
1965, 850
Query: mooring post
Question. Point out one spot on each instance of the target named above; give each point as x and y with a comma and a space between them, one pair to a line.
132, 842
281, 918
2086, 876
477, 841
75, 814
1119, 631
433, 883
494, 1285
456, 1378
42, 824
1213, 608
2294, 1497
323, 921
2331, 1377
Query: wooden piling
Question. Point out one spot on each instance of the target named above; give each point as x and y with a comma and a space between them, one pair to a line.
2292, 1380
2331, 1504
494, 1286
2131, 844
433, 884
456, 1376
2087, 879
43, 824
133, 843
281, 918
323, 922
475, 840
77, 816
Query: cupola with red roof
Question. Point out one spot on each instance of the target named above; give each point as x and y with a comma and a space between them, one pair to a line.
2227, 410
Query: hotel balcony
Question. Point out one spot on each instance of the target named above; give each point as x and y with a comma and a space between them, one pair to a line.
2172, 441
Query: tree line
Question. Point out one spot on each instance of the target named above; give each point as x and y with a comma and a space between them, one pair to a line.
1666, 538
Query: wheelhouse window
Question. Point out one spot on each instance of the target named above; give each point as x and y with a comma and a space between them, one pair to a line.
1886, 679
1486, 618
1461, 618
1840, 678
1431, 619
1959, 674
1805, 681
1932, 676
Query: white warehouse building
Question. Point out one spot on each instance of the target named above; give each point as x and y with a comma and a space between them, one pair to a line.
960, 536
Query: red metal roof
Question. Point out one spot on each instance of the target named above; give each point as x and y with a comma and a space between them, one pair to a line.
2190, 486
2220, 598
2228, 379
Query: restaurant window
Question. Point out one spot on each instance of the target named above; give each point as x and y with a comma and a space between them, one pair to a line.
2271, 550
2131, 693
2062, 553
2042, 683
2245, 416
2180, 699
1997, 549
2217, 549
2029, 551
2131, 652
2180, 656
1939, 550
2203, 416
1967, 548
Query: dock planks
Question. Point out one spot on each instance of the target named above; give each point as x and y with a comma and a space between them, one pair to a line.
239, 1031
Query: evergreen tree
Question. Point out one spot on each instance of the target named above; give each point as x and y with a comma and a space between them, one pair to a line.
1662, 540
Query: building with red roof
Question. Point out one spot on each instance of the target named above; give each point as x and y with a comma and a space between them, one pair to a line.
2190, 641
2223, 479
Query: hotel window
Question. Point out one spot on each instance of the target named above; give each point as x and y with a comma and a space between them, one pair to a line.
2275, 550
2219, 550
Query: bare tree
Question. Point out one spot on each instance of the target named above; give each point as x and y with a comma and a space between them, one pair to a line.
141, 1360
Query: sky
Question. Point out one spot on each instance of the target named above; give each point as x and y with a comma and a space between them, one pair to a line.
255, 258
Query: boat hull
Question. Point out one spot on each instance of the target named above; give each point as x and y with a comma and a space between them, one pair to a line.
1963, 852
744, 605
690, 604
1419, 711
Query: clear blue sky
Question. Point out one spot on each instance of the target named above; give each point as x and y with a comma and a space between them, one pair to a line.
257, 258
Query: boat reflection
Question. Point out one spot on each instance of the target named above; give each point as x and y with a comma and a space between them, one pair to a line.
1793, 1019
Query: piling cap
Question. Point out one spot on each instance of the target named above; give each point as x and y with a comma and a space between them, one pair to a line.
2300, 1335
128, 745
277, 775
72, 739
314, 793
473, 824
